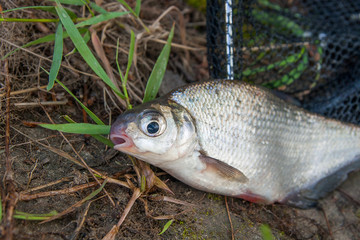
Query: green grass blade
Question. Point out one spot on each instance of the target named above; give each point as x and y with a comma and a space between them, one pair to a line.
138, 7
101, 18
94, 193
100, 138
157, 74
88, 111
57, 56
68, 118
48, 38
131, 55
128, 7
97, 8
166, 226
86, 38
83, 48
31, 20
70, 2
34, 217
123, 80
79, 128
266, 232
50, 9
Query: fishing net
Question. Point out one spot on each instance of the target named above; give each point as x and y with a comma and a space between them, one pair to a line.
309, 49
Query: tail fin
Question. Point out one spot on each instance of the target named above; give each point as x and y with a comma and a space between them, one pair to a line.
307, 198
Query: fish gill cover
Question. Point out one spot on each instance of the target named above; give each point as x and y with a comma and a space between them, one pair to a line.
309, 49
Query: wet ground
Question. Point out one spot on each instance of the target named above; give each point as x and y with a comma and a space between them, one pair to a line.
40, 158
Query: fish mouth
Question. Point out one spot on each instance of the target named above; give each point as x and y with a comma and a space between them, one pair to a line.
121, 141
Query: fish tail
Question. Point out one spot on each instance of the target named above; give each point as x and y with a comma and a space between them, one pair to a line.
307, 198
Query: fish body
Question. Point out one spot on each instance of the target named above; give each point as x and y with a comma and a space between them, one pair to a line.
240, 140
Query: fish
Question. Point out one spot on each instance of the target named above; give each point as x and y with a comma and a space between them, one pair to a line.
237, 139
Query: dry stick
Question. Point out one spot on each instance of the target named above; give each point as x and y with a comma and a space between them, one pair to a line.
65, 179
32, 172
100, 52
47, 59
27, 197
39, 104
63, 65
73, 207
81, 159
327, 223
349, 197
33, 89
9, 194
172, 200
176, 45
82, 221
114, 230
72, 159
152, 28
161, 217
228, 213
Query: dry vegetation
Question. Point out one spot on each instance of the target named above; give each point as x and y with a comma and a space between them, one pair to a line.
40, 169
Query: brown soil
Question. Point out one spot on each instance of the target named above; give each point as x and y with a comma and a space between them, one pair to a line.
35, 163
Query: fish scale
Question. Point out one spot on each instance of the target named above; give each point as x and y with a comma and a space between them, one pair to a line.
263, 132
237, 139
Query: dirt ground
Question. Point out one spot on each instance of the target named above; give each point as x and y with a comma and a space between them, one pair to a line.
40, 157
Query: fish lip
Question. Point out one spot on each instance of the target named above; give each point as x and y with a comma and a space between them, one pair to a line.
121, 141
119, 137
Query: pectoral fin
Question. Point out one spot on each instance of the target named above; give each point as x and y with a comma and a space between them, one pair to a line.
223, 169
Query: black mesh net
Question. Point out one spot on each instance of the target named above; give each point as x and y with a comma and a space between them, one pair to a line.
310, 49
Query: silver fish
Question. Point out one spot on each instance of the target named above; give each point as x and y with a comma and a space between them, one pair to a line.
240, 140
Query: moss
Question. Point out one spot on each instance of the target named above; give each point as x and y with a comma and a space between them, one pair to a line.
358, 213
214, 197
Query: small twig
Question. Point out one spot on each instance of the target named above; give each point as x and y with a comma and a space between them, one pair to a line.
33, 89
81, 221
45, 185
228, 213
48, 59
161, 217
10, 195
39, 104
31, 173
26, 197
176, 45
114, 230
100, 52
156, 22
349, 197
76, 205
172, 200
327, 223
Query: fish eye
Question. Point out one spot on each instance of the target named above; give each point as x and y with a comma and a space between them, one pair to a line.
152, 123
153, 127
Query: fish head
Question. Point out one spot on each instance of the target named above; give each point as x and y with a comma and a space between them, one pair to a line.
156, 132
